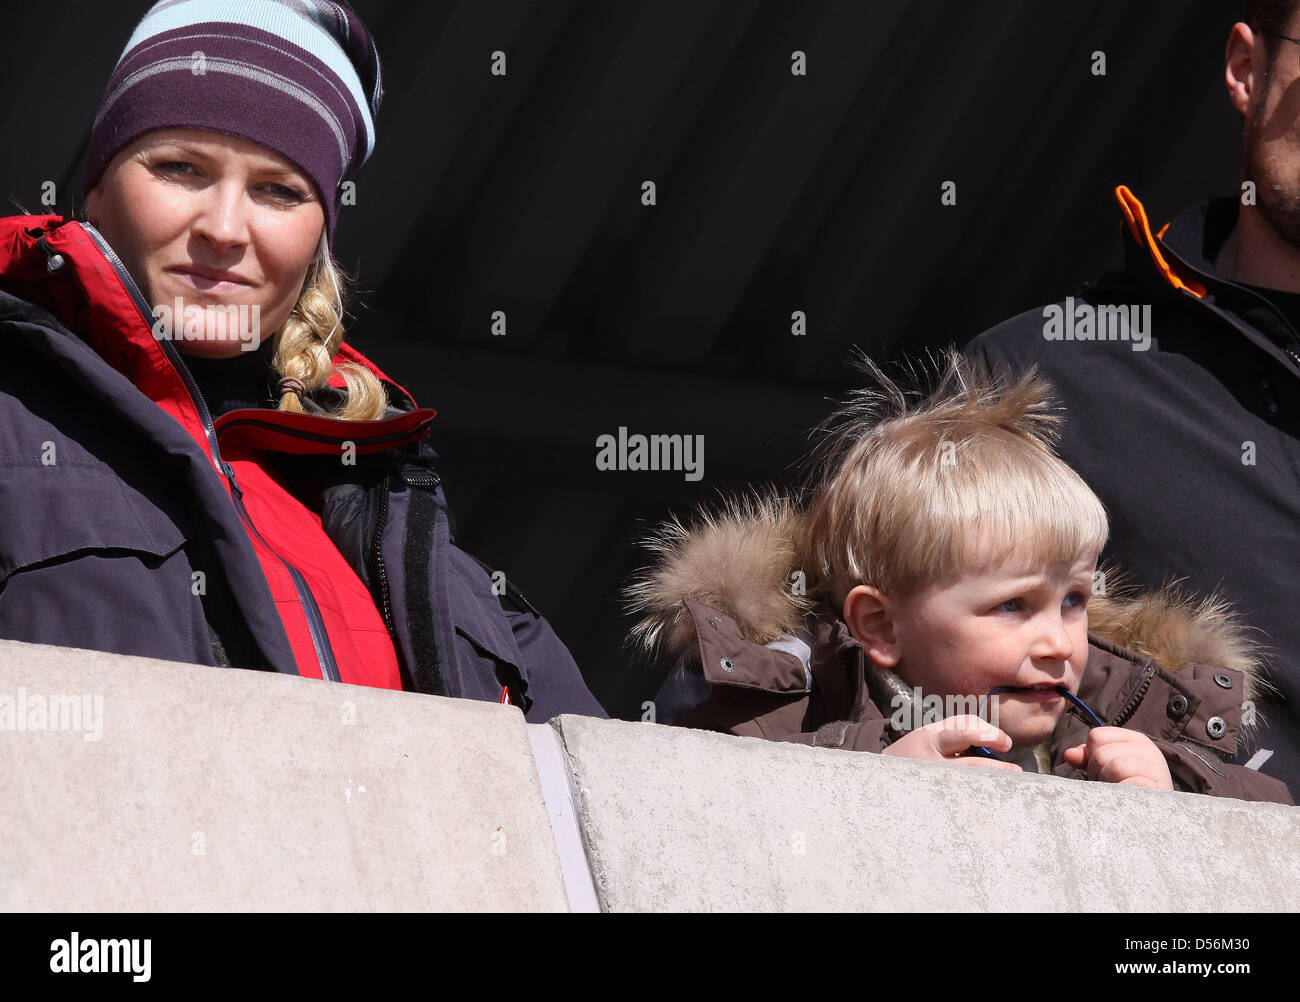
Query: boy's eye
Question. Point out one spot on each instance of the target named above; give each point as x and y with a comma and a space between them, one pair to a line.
1076, 598
1010, 605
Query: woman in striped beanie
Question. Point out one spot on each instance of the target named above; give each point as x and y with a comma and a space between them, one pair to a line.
279, 507
222, 147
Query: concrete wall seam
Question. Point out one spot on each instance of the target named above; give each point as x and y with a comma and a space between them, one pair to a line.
557, 791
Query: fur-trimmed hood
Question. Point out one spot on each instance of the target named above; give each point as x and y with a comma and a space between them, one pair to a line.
743, 562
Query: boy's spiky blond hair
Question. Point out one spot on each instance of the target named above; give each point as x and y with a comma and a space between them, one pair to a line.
910, 487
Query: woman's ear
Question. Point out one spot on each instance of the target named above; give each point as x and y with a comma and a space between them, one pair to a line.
870, 617
92, 206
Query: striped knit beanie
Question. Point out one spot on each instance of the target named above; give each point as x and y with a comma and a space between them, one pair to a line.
300, 77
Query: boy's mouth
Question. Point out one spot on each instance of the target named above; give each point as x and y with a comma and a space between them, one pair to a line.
1033, 693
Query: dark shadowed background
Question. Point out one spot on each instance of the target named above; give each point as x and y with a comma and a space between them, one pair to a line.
775, 193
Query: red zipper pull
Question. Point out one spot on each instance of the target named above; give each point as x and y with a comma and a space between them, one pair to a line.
505, 696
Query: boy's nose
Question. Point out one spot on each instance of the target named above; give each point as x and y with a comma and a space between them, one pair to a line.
1052, 643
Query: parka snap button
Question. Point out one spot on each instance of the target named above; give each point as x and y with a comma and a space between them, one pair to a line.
713, 623
1215, 727
1177, 705
54, 263
728, 664
1223, 680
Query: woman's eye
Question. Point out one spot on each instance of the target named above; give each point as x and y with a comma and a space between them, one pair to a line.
175, 167
284, 194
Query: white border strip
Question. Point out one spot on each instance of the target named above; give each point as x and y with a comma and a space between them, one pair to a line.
557, 792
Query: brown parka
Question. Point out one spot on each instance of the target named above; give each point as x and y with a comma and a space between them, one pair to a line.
724, 601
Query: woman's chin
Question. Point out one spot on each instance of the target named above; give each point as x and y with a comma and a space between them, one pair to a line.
212, 347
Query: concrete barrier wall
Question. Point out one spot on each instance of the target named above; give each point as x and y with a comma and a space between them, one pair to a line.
688, 820
195, 788
218, 790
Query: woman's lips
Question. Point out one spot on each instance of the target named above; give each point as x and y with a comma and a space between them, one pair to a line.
205, 284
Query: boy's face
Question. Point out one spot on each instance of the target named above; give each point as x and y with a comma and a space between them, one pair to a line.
1006, 625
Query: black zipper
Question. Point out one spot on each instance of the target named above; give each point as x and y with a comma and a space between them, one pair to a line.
1148, 673
381, 571
427, 479
315, 623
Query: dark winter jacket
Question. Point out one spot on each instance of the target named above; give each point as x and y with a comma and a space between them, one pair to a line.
132, 521
1192, 443
768, 664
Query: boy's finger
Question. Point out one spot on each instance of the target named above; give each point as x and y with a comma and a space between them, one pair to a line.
977, 728
1121, 768
1077, 755
1140, 781
959, 733
1099, 736
992, 763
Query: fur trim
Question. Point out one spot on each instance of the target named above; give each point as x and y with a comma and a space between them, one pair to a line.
1176, 630
738, 561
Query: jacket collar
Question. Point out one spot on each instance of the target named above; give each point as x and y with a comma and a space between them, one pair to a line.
1197, 234
1181, 257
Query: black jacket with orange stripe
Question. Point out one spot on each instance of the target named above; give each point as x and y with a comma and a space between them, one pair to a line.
1187, 426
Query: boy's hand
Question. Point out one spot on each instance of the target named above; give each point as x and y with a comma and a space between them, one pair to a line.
1116, 755
945, 739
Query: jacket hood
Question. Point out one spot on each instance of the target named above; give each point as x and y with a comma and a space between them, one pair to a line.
743, 562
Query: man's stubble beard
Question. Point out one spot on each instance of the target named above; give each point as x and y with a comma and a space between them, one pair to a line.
1277, 195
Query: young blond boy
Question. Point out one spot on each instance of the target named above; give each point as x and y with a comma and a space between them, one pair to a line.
946, 551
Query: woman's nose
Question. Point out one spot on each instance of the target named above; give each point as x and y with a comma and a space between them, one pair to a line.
222, 217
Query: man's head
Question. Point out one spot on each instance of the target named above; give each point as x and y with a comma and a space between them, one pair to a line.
1262, 72
958, 546
1269, 15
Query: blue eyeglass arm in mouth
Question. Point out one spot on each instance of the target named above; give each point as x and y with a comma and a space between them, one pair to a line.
1078, 703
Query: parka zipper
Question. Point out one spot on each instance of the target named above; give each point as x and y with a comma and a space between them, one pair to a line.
430, 480
377, 555
315, 623
1130, 707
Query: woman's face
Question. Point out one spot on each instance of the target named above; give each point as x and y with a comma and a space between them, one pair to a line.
215, 221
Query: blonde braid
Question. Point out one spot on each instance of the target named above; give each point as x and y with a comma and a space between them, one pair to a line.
309, 338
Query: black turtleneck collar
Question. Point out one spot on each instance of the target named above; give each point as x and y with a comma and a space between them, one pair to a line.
1196, 236
245, 380
1198, 233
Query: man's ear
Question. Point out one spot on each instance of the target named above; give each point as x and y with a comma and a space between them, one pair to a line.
1245, 66
869, 616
